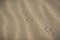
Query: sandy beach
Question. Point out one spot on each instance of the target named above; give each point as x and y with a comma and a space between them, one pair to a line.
29, 20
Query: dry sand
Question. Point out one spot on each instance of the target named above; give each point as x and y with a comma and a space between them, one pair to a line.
29, 20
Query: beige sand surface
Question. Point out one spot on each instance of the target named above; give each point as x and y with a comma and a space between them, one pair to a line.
29, 20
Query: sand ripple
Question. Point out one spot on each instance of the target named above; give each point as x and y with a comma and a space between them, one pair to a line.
27, 20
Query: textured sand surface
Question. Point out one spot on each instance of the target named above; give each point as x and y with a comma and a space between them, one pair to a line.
29, 20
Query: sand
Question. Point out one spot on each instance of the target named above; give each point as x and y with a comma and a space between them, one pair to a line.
29, 20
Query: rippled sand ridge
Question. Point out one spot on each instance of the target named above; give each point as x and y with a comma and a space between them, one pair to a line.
29, 20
